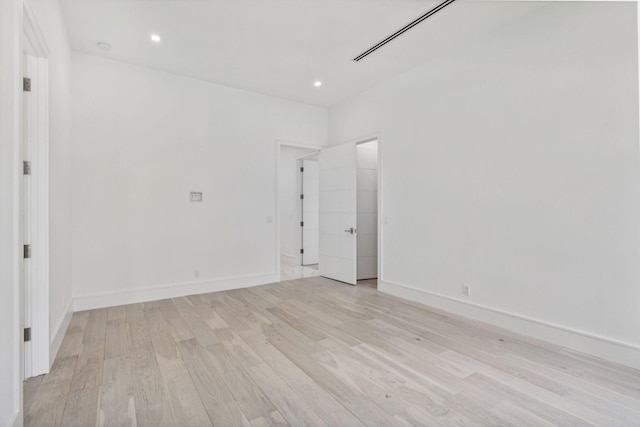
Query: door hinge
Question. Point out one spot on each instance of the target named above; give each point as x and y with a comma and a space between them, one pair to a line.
301, 223
26, 84
301, 251
27, 334
26, 167
301, 196
301, 169
26, 251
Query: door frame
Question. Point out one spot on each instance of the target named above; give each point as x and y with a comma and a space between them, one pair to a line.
278, 145
37, 360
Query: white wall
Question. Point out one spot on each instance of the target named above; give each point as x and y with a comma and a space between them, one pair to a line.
144, 139
52, 25
10, 354
512, 165
290, 235
367, 228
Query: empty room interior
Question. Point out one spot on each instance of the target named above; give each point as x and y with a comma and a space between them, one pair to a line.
319, 213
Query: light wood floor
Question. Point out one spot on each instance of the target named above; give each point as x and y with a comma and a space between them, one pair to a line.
319, 353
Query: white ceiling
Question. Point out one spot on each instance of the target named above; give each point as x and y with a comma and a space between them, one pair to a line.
280, 47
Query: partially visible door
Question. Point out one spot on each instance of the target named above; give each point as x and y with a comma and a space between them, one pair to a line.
310, 214
35, 217
29, 105
338, 213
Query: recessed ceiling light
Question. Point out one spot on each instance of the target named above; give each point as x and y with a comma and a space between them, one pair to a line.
104, 45
317, 83
155, 38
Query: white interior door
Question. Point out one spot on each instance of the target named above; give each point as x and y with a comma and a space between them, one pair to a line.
28, 113
338, 213
35, 217
310, 211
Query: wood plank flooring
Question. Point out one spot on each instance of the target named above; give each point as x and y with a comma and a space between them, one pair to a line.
314, 352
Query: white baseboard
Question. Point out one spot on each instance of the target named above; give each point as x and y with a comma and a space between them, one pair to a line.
59, 333
16, 420
132, 296
620, 352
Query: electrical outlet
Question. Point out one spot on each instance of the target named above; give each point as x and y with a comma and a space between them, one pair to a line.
466, 290
196, 273
195, 196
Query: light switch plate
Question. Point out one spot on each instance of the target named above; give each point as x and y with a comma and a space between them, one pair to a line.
196, 196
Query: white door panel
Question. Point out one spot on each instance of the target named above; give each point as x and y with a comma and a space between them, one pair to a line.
338, 157
367, 223
310, 215
367, 180
28, 139
312, 245
333, 223
367, 267
336, 179
367, 245
333, 245
335, 268
338, 208
338, 201
367, 201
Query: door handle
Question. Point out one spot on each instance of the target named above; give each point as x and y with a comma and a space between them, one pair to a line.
350, 231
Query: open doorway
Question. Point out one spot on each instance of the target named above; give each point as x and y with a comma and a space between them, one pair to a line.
298, 181
367, 210
349, 176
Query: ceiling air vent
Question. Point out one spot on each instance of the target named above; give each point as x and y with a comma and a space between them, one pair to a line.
404, 29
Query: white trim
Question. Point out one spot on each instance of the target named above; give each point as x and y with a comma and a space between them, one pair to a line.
115, 298
607, 348
304, 156
381, 215
361, 140
33, 37
10, 223
278, 144
16, 420
59, 333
